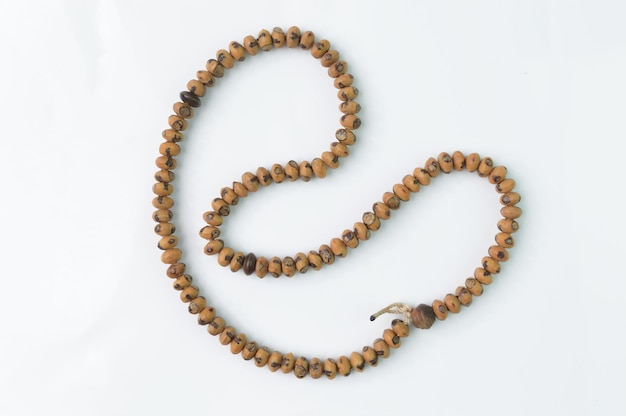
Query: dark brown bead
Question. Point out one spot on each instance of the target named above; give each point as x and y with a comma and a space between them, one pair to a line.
190, 98
422, 316
249, 264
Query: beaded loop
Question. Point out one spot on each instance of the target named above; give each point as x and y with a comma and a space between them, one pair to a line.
422, 316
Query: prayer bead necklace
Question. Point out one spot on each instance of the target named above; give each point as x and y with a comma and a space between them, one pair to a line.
422, 316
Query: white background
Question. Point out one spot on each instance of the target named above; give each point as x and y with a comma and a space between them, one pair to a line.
89, 323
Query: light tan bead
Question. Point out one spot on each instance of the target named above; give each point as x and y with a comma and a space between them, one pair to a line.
491, 265
225, 58
163, 188
175, 270
277, 173
508, 226
165, 162
505, 240
265, 40
327, 255
357, 361
236, 262
162, 202
162, 215
349, 238
262, 266
213, 247
307, 39
240, 190
511, 212
275, 267
288, 363
485, 167
411, 183
171, 256
329, 58
497, 175
505, 186
316, 368
206, 78
345, 136
371, 221
343, 366
183, 110
215, 68
445, 162
391, 338
164, 228
225, 256
169, 149
164, 176
251, 45
458, 160
206, 315
302, 262
452, 303
319, 168
229, 195
339, 149
249, 351
337, 69
498, 253
510, 198
293, 37
472, 161
289, 266
320, 48
167, 242
381, 348
291, 170
338, 247
330, 160
264, 177
474, 286
361, 231
347, 93
250, 181
220, 206
261, 356
463, 295
422, 176
213, 218
315, 260
237, 51
400, 328
381, 210
483, 276
196, 305
370, 356
343, 81
189, 293
278, 37
182, 281
227, 335
391, 200
301, 369
216, 326
330, 368
306, 171
432, 167
401, 192
196, 87
274, 361
440, 309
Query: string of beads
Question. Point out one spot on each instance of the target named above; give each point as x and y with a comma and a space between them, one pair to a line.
422, 316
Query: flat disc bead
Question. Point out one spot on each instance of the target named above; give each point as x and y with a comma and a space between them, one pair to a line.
190, 98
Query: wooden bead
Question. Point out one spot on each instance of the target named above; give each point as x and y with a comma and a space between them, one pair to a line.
302, 262
491, 265
275, 267
183, 110
357, 362
229, 195
274, 361
316, 368
190, 99
164, 229
422, 176
225, 256
215, 68
508, 226
167, 242
189, 293
293, 37
249, 351
197, 88
381, 348
401, 192
381, 210
320, 48
265, 40
240, 190
278, 37
301, 369
498, 253
206, 78
391, 200
497, 175
345, 136
307, 39
262, 266
505, 240
169, 149
227, 335
196, 305
237, 51
472, 161
171, 256
391, 338
347, 93
338, 247
343, 81
220, 206
162, 202
250, 181
483, 276
330, 368
371, 221
458, 161
330, 160
162, 215
445, 162
370, 356
452, 303
315, 260
440, 310
182, 282
505, 186
163, 188
251, 45
288, 363
277, 172
216, 326
292, 170
349, 239
432, 167
474, 286
339, 149
165, 162
261, 356
485, 167
400, 328
206, 315
343, 366
289, 266
175, 270
337, 69
236, 263
411, 183
213, 218
326, 254
464, 295
306, 171
213, 247
264, 176
249, 264
164, 176
319, 168
510, 198
361, 231
423, 316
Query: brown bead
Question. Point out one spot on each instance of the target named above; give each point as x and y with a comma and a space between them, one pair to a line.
483, 276
400, 328
361, 231
422, 316
163, 188
264, 177
165, 162
293, 37
249, 264
339, 149
250, 181
183, 110
289, 266
262, 266
371, 221
215, 68
357, 362
274, 361
315, 260
329, 58
347, 93
213, 218
505, 186
458, 160
498, 253
306, 171
381, 348
485, 167
343, 366
175, 270
370, 356
265, 40
391, 200
261, 356
288, 363
497, 175
227, 335
381, 210
182, 282
251, 45
249, 351
237, 51
278, 37
316, 368
472, 161
164, 229
391, 338
301, 368
422, 176
213, 247
474, 286
275, 267
343, 81
216, 326
326, 254
229, 196
238, 343
349, 239
236, 263
337, 69
320, 48
302, 262
445, 162
440, 310
411, 183
189, 293
167, 242
190, 99
463, 295
292, 170
319, 167
277, 172
491, 265
432, 167
169, 149
307, 39
401, 192
225, 257
511, 212
220, 206
338, 247
162, 215
505, 240
330, 368
452, 303
330, 160
206, 315
171, 256
510, 198
508, 226
345, 136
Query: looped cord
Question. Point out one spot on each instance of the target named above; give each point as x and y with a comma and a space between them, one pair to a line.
396, 308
